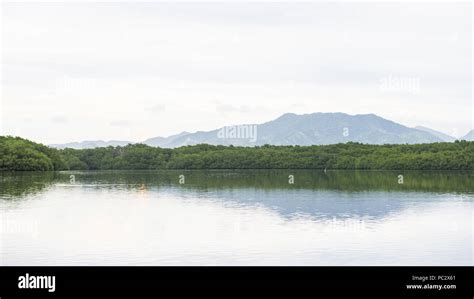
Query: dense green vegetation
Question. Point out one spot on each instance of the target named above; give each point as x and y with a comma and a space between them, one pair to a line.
20, 154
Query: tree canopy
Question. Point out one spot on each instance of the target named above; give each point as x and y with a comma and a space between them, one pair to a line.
21, 154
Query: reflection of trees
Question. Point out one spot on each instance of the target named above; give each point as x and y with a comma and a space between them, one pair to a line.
312, 194
20, 184
278, 179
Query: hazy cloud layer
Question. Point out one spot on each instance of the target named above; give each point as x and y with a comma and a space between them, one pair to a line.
132, 71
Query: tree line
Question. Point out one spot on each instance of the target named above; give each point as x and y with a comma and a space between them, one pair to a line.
20, 154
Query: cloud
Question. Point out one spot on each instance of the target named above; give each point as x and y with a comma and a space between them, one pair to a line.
157, 108
227, 108
260, 59
120, 123
59, 119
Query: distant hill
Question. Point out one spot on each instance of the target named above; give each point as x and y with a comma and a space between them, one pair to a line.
469, 136
164, 141
294, 129
316, 129
91, 144
444, 137
157, 141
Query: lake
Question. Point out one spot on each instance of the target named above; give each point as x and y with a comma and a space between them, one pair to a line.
246, 217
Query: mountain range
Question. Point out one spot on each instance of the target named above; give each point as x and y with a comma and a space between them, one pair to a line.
442, 136
293, 129
469, 136
91, 144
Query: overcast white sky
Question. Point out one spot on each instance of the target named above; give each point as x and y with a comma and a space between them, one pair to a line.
130, 71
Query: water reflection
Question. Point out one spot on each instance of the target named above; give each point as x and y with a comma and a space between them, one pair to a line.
335, 194
19, 185
278, 179
236, 218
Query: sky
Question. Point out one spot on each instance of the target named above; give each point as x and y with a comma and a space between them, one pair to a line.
132, 71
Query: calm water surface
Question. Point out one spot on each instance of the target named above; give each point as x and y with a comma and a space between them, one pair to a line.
236, 218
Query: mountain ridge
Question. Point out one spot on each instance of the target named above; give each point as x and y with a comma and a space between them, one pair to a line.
316, 128
441, 135
469, 136
91, 144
